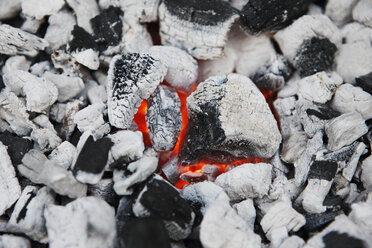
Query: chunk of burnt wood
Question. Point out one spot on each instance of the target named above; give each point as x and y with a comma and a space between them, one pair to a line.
365, 82
17, 147
323, 113
323, 170
335, 239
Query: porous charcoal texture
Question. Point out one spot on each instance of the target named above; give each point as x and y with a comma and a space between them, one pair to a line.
365, 82
315, 55
263, 16
163, 118
131, 78
229, 115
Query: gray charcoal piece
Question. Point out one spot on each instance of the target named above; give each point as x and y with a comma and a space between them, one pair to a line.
228, 114
366, 175
40, 170
40, 8
171, 169
87, 222
63, 154
16, 63
246, 211
344, 130
104, 190
28, 214
362, 13
163, 118
293, 147
84, 10
10, 189
340, 11
45, 139
9, 8
8, 240
143, 10
200, 28
136, 37
14, 41
132, 77
355, 32
289, 121
90, 118
292, 241
351, 166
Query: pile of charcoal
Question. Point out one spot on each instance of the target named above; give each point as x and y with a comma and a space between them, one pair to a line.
185, 123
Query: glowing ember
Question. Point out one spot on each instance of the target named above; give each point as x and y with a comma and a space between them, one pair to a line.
140, 120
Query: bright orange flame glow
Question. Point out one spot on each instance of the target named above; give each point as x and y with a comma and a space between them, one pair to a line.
140, 120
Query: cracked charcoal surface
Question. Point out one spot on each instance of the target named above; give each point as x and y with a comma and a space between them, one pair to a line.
315, 55
365, 82
323, 170
107, 28
81, 40
263, 16
163, 118
131, 78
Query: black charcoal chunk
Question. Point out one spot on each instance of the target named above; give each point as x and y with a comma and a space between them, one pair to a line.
104, 189
163, 118
315, 55
325, 170
2, 85
365, 82
335, 239
107, 28
315, 221
17, 147
81, 40
263, 16
323, 113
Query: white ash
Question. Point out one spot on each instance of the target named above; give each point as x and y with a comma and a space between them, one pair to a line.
88, 58
42, 121
340, 11
222, 227
351, 166
314, 9
136, 38
361, 214
89, 118
68, 87
344, 130
57, 112
245, 209
8, 240
84, 10
306, 27
349, 98
354, 60
314, 195
10, 189
97, 94
28, 214
282, 188
31, 24
45, 138
250, 181
131, 78
16, 63
38, 69
87, 222
104, 4
9, 8
289, 121
15, 80
41, 8
59, 29
69, 125
63, 154
64, 61
293, 242
182, 68
355, 32
366, 175
293, 146
39, 169
362, 13
143, 10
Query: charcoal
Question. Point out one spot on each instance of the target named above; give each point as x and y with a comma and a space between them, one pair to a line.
289, 121
87, 222
343, 154
38, 9
143, 10
27, 216
323, 113
137, 38
273, 76
105, 191
366, 177
163, 118
85, 10
10, 189
45, 139
91, 160
107, 28
124, 214
182, 67
97, 94
8, 240
293, 147
16, 63
42, 121
316, 221
83, 48
344, 130
198, 27
322, 170
351, 166
258, 16
63, 154
40, 170
9, 8
292, 241
171, 170
160, 199
336, 239
315, 55
365, 82
90, 118
220, 112
340, 11
250, 181
362, 13
131, 78
70, 110
14, 41
246, 210
356, 32
17, 147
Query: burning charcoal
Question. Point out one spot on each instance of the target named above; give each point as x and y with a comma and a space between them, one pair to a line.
16, 63
87, 222
246, 211
292, 241
349, 98
362, 13
344, 130
107, 27
91, 159
134, 173
246, 181
315, 55
63, 154
40, 170
319, 183
293, 147
289, 121
90, 118
340, 11
199, 27
10, 190
143, 10
14, 41
361, 214
171, 170
105, 191
365, 82
223, 116
38, 9
354, 60
182, 68
258, 16
131, 78
42, 121
7, 240
9, 8
273, 75
59, 29
163, 118
128, 146
307, 27
160, 199
351, 166
46, 139
366, 175
97, 94
223, 227
16, 146
28, 213
85, 10
315, 222
68, 87
83, 48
